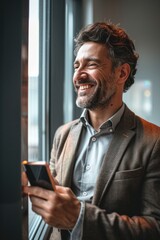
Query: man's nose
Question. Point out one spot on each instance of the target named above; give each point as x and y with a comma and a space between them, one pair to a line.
79, 75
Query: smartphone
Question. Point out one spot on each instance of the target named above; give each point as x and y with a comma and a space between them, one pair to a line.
39, 174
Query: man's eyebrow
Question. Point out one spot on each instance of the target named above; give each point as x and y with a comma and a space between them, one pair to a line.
93, 59
89, 59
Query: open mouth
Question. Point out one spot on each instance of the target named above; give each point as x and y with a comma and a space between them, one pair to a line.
86, 86
85, 89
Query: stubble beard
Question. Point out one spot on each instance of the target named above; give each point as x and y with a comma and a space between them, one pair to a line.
101, 98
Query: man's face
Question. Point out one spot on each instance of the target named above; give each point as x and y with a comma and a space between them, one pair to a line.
93, 79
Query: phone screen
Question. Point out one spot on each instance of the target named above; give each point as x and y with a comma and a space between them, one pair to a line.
38, 175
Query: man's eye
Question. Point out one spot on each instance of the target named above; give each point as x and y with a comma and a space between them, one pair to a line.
92, 64
75, 67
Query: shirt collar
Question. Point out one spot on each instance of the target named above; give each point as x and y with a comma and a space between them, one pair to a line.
112, 121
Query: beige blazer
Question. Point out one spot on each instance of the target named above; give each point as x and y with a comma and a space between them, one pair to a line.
126, 201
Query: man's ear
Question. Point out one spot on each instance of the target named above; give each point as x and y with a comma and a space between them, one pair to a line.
123, 73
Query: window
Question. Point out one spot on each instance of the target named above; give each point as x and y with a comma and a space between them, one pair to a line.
68, 86
51, 31
38, 81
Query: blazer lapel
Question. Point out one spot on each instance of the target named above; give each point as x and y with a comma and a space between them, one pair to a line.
67, 163
113, 158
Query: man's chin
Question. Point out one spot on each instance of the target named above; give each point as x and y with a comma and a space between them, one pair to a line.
87, 101
81, 104
84, 104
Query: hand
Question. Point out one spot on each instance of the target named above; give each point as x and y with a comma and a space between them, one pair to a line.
58, 208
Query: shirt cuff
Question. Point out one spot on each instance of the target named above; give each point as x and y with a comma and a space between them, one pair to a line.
77, 231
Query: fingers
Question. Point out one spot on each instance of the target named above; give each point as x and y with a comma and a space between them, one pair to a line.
24, 179
64, 190
24, 182
37, 192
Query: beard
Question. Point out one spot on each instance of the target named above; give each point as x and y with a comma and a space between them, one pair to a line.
100, 98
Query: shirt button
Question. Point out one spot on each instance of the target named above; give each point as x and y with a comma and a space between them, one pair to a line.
94, 139
88, 167
110, 130
84, 193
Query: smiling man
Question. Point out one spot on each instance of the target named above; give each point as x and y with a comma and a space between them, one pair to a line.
107, 162
93, 77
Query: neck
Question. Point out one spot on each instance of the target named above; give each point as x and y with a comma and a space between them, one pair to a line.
100, 115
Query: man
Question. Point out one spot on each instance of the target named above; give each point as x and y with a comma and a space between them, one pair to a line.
107, 162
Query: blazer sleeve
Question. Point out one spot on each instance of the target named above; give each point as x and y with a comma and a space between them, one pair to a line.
98, 224
60, 138
58, 142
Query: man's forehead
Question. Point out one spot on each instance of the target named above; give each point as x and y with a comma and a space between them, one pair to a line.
92, 50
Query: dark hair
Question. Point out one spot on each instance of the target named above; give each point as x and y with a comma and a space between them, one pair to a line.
120, 47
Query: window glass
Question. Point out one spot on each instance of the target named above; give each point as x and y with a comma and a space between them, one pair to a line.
51, 32
37, 95
33, 77
68, 86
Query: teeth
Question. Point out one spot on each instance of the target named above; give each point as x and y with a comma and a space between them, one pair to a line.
84, 87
